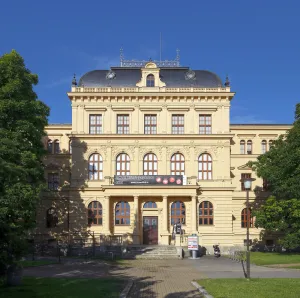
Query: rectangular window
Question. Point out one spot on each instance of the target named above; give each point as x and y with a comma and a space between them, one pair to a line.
123, 124
150, 125
95, 124
53, 181
244, 176
177, 124
204, 124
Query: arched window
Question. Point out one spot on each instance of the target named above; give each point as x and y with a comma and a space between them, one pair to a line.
94, 213
95, 167
244, 218
177, 164
122, 213
123, 164
263, 146
177, 213
70, 146
56, 147
205, 167
242, 147
150, 164
50, 146
150, 205
270, 144
51, 218
206, 213
150, 80
249, 147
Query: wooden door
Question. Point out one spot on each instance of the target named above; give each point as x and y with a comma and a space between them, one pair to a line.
150, 230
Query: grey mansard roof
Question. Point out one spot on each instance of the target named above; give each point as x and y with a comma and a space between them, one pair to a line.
128, 77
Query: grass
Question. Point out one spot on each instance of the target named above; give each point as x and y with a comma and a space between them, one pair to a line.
36, 263
271, 258
258, 288
64, 288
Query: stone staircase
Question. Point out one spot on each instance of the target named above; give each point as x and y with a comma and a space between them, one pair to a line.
157, 252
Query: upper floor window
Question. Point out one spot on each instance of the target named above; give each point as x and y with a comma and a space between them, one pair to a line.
244, 218
70, 146
123, 124
177, 213
95, 213
95, 167
56, 147
51, 218
206, 213
204, 124
177, 124
270, 144
49, 146
264, 146
95, 124
123, 164
53, 181
150, 124
242, 147
205, 167
177, 164
150, 81
150, 164
122, 213
244, 176
249, 147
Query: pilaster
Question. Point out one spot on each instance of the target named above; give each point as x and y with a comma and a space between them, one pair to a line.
193, 215
106, 215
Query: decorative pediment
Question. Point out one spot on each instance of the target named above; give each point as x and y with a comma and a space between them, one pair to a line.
244, 167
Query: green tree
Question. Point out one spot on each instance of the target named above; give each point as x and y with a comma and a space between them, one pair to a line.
280, 166
22, 121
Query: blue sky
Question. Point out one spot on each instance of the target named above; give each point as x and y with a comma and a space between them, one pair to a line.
256, 42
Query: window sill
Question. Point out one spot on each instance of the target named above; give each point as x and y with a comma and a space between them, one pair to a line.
118, 225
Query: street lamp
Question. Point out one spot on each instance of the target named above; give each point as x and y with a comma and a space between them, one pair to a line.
247, 186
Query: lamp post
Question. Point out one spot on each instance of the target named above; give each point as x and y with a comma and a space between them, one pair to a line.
247, 186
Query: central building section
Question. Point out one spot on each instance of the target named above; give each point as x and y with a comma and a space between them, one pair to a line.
150, 149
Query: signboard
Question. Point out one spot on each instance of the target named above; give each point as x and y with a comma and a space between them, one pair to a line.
166, 180
193, 242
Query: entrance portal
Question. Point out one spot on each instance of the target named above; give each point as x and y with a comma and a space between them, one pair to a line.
150, 230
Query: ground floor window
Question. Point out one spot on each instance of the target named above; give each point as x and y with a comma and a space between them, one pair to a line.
206, 213
178, 213
122, 213
95, 213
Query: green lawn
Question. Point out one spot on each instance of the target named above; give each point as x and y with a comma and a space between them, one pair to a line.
258, 288
64, 288
271, 258
36, 263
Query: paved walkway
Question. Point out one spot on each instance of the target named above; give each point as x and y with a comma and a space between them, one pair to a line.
159, 278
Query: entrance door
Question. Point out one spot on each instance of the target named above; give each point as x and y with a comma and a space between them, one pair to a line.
150, 230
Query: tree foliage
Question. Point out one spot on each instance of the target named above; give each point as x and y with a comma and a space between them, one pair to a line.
280, 166
22, 121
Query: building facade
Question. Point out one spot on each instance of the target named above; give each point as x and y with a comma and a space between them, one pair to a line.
151, 145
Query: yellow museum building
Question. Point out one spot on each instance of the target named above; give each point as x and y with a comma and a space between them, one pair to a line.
151, 145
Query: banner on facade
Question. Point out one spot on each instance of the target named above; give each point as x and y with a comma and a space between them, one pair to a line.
148, 180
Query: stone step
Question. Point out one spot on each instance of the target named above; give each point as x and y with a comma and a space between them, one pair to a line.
156, 257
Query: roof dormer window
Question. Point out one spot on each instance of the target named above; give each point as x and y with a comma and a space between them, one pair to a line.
150, 80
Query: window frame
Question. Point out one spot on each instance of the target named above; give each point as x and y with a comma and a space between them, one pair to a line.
242, 145
123, 125
150, 80
152, 127
249, 147
209, 217
96, 125
51, 218
99, 167
264, 146
181, 163
56, 147
208, 164
50, 146
244, 176
53, 180
174, 217
153, 204
177, 124
153, 163
92, 216
124, 216
206, 124
244, 218
123, 171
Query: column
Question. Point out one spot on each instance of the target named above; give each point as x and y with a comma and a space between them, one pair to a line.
106, 213
165, 214
136, 226
194, 215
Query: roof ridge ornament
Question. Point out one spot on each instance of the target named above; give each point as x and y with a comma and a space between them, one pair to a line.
142, 63
227, 82
74, 82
